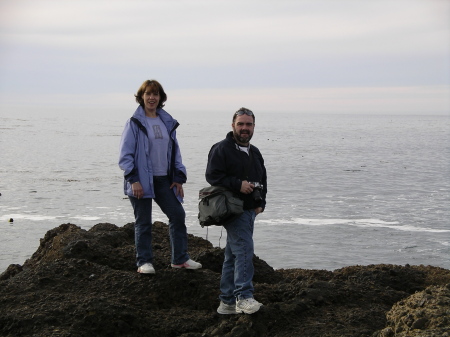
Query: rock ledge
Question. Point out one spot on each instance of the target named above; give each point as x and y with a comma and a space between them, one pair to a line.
84, 283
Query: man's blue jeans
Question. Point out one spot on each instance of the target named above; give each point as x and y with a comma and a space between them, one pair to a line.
237, 270
169, 204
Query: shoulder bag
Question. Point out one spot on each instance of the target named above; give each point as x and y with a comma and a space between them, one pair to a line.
218, 205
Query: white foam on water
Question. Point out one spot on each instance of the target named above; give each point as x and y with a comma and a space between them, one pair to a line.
364, 223
31, 217
86, 217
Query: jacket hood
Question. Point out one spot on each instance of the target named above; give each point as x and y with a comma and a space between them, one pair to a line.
229, 138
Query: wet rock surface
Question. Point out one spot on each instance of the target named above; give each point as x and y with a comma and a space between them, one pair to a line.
84, 283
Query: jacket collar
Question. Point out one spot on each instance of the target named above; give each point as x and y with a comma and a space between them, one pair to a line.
167, 119
230, 139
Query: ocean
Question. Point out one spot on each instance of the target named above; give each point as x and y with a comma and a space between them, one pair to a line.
342, 189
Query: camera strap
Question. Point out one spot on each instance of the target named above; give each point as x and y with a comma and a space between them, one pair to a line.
247, 167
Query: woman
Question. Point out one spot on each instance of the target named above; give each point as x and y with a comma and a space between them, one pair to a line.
151, 160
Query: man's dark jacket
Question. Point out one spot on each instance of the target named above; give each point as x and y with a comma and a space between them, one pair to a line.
227, 166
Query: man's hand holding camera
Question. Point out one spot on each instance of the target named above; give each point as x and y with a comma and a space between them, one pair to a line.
246, 187
250, 187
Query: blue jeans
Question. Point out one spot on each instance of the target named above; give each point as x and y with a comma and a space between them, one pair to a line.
169, 204
237, 270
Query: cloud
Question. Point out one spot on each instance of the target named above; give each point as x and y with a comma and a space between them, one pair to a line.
80, 47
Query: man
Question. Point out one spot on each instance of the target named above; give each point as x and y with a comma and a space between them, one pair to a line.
239, 166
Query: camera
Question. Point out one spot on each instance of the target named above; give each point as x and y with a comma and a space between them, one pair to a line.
256, 194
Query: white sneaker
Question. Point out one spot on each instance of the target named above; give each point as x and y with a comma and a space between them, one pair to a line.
189, 264
226, 309
248, 305
146, 268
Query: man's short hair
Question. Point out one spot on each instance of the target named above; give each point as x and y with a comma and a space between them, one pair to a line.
244, 111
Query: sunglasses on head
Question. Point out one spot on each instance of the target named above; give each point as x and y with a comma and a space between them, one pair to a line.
243, 111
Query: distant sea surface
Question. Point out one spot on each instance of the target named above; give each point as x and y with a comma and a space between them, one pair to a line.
342, 189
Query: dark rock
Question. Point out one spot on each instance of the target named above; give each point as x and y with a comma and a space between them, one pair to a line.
84, 283
12, 270
419, 324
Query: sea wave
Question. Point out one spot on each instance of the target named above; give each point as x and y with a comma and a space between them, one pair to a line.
37, 217
366, 223
32, 217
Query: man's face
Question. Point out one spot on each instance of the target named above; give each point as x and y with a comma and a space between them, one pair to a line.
243, 128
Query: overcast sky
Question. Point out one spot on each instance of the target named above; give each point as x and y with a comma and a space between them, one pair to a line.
336, 56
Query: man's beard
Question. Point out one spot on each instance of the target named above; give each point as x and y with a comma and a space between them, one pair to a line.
243, 140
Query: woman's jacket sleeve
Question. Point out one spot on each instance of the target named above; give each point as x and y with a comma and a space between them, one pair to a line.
127, 154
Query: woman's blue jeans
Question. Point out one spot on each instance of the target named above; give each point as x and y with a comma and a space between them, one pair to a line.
171, 206
237, 270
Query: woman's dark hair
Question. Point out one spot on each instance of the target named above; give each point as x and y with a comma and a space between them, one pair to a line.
154, 87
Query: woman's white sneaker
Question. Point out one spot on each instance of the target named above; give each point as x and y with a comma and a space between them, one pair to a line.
189, 264
146, 268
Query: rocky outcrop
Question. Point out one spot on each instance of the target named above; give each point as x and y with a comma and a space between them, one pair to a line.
84, 283
424, 314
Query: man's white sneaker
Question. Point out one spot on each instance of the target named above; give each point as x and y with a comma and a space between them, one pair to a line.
189, 264
248, 305
146, 268
227, 309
